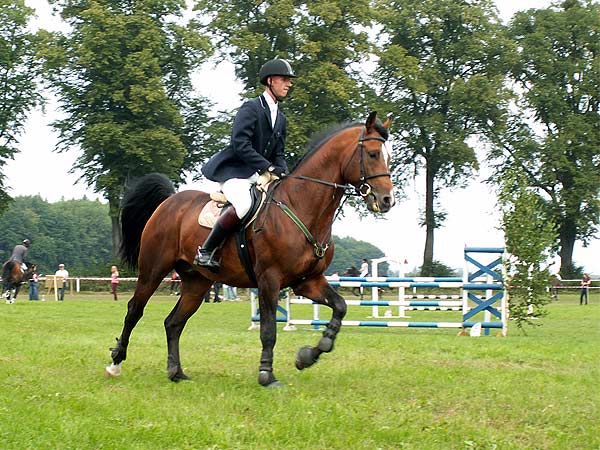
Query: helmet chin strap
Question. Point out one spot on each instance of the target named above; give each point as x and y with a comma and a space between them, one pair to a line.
277, 97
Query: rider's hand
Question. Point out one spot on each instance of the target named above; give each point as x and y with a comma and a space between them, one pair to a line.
265, 178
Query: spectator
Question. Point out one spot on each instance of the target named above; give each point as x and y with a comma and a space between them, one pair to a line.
61, 272
364, 272
34, 284
230, 292
114, 281
174, 284
556, 282
216, 287
586, 282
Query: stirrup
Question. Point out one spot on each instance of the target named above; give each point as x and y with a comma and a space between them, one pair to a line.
205, 259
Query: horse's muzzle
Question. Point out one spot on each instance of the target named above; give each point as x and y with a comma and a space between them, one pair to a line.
380, 203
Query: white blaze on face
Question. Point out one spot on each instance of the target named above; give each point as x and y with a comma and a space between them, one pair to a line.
386, 149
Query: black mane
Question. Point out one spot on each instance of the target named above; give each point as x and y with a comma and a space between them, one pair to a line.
318, 139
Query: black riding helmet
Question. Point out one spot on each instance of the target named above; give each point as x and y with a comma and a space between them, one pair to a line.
275, 67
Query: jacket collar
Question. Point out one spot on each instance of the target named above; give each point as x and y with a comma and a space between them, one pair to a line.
267, 111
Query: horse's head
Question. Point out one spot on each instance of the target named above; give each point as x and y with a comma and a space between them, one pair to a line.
368, 166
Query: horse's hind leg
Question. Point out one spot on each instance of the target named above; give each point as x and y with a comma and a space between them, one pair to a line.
135, 310
320, 291
193, 288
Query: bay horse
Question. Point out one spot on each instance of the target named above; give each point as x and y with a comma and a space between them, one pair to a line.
290, 241
12, 278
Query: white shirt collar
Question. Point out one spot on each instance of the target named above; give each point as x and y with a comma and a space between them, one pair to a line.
272, 107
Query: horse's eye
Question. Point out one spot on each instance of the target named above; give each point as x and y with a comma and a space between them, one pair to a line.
373, 155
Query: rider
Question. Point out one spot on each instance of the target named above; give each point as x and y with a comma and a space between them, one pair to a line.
255, 155
19, 253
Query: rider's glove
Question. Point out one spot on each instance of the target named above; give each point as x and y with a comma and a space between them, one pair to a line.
266, 177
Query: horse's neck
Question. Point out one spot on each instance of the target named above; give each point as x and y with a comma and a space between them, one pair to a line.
314, 202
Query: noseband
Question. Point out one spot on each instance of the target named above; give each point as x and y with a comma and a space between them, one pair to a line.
365, 188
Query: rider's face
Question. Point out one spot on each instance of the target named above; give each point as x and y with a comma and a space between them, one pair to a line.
280, 85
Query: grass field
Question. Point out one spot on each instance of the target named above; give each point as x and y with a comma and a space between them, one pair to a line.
379, 389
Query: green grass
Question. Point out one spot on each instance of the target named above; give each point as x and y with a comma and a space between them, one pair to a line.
379, 389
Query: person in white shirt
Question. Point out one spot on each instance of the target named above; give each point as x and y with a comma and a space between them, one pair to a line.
364, 271
62, 272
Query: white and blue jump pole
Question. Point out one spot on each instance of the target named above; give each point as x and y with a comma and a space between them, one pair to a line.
492, 303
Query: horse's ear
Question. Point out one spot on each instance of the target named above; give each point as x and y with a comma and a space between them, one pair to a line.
388, 121
370, 124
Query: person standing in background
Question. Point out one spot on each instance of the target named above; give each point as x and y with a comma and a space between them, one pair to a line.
34, 284
364, 272
114, 281
586, 282
62, 272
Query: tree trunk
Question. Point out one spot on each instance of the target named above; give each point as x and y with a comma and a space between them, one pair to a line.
567, 236
115, 219
430, 225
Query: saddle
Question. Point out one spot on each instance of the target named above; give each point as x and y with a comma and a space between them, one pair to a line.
218, 203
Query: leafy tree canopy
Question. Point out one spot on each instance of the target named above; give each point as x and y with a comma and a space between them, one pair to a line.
441, 72
554, 137
74, 232
18, 72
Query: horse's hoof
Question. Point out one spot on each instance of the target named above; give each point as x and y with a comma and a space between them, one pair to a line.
176, 375
114, 370
305, 358
325, 344
179, 377
268, 380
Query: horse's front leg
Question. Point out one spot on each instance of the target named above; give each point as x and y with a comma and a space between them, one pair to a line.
320, 291
268, 296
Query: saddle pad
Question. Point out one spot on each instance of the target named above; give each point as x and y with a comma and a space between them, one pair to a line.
210, 213
212, 210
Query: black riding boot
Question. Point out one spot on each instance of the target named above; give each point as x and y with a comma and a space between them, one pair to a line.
225, 225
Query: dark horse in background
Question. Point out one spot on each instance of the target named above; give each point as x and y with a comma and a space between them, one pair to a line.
161, 233
353, 272
12, 278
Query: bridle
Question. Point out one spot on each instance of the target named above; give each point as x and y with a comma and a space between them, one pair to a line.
364, 189
361, 151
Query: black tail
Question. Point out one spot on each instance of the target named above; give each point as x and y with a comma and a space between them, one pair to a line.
141, 199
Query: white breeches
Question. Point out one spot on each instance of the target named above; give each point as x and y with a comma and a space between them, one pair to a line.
237, 191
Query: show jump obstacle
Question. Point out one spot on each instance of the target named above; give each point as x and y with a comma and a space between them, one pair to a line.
482, 301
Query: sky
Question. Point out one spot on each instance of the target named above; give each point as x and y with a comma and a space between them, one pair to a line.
472, 213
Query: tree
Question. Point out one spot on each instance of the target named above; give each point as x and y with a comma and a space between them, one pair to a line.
322, 41
441, 72
530, 242
554, 138
123, 77
18, 71
349, 252
74, 232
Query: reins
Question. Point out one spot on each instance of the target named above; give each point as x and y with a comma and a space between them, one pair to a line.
363, 190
